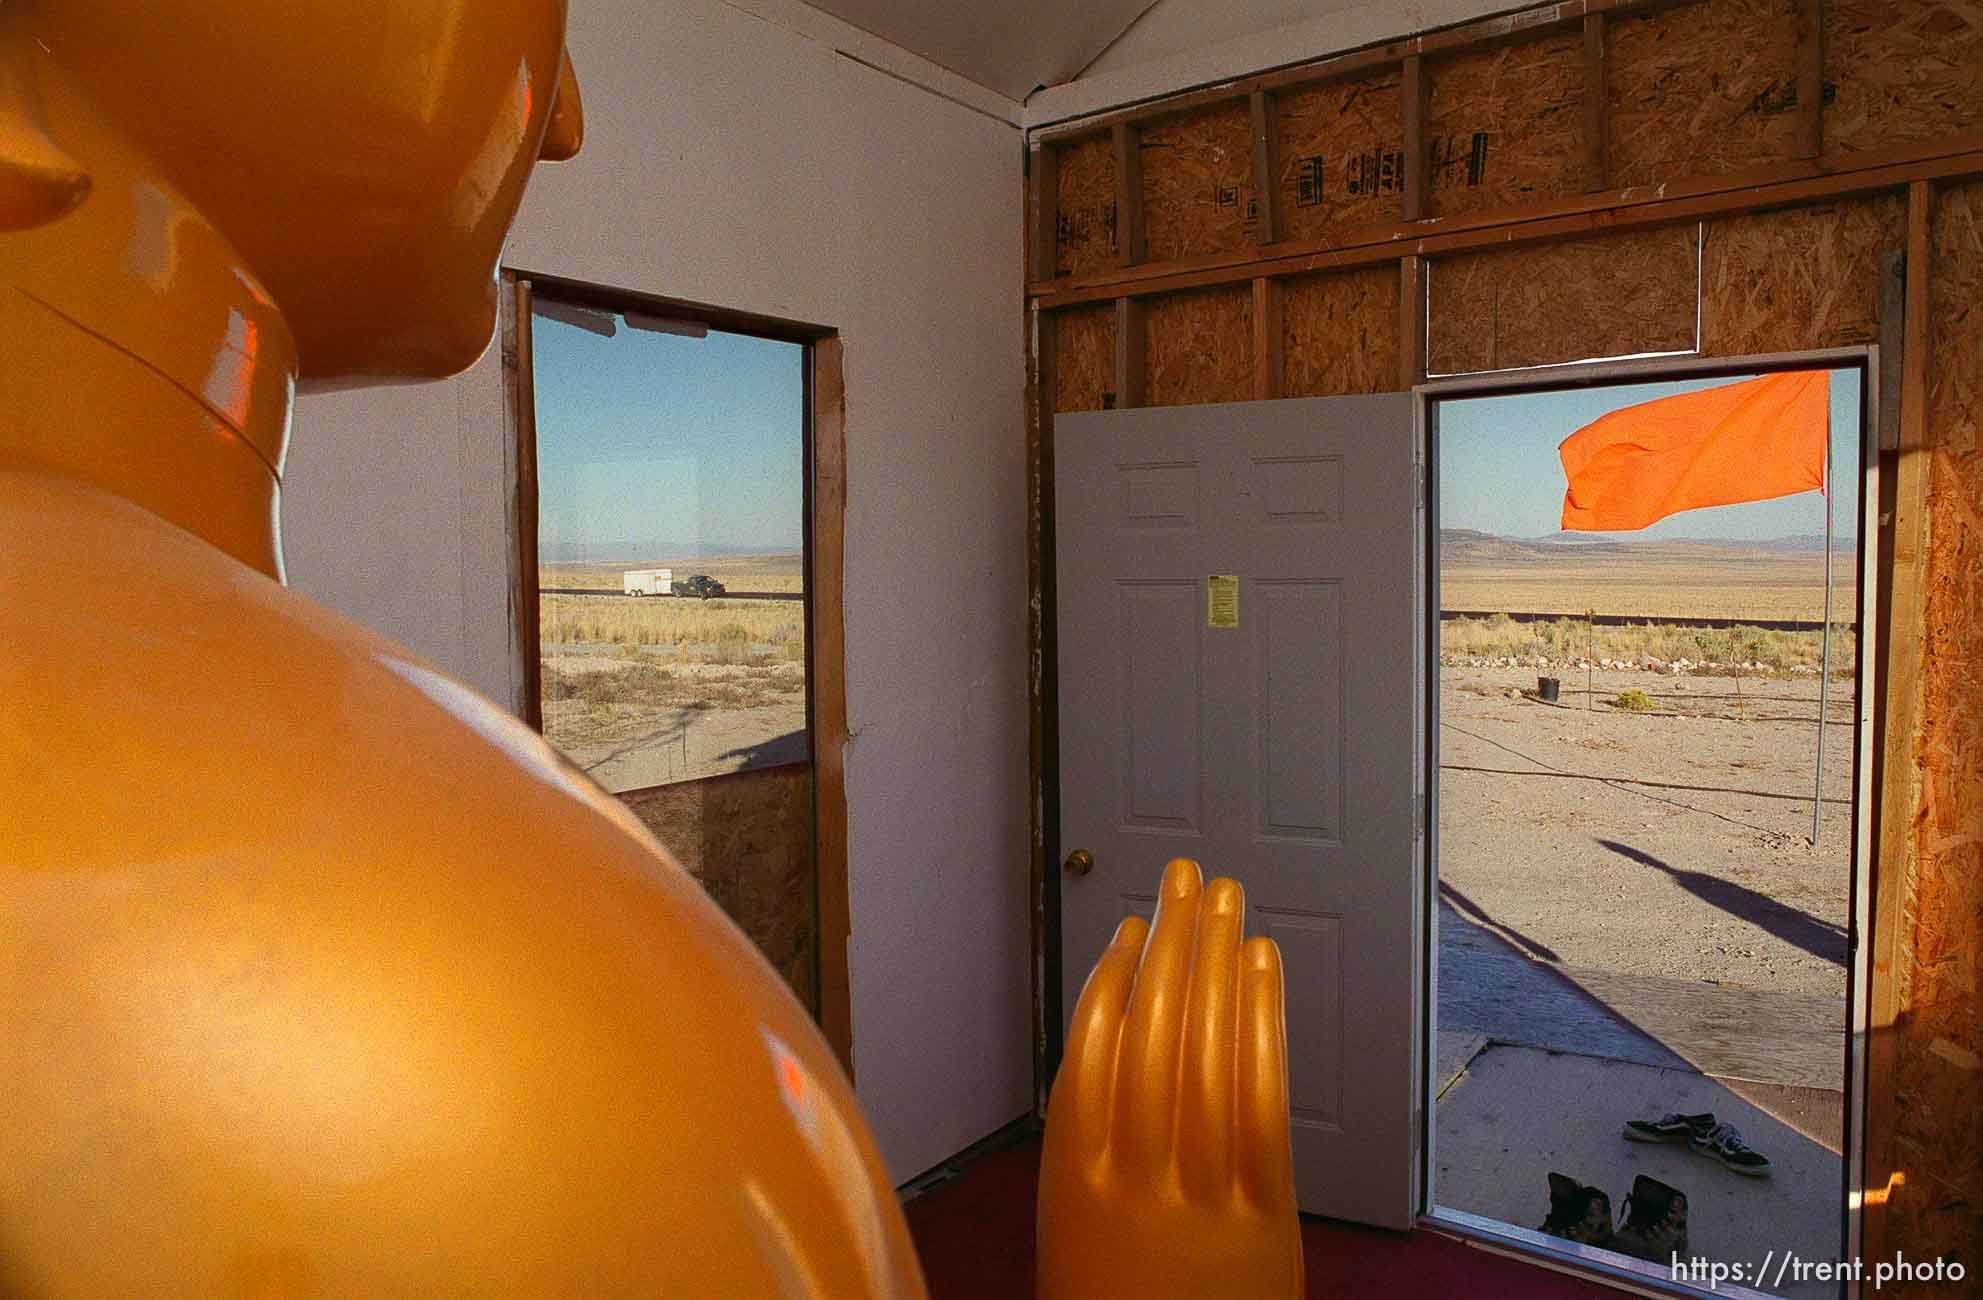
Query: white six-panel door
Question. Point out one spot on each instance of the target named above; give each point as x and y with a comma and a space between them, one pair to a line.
1282, 751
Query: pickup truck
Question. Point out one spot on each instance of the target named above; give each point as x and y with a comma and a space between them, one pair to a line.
698, 584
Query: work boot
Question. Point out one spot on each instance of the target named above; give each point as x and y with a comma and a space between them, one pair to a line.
1578, 1212
1655, 1225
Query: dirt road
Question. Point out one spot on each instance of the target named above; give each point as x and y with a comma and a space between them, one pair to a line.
1672, 844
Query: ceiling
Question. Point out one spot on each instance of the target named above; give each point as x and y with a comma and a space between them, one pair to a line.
1010, 46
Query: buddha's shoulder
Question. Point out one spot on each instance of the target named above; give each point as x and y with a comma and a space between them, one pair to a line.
154, 681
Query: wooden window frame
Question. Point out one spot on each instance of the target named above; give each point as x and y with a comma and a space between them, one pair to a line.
825, 555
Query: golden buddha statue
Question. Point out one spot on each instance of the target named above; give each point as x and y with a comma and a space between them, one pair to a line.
319, 974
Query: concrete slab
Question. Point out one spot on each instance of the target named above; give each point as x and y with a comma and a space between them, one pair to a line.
1516, 1113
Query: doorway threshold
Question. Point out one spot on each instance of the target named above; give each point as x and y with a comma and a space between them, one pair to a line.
1621, 1272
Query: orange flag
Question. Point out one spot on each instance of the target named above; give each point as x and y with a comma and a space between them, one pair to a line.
1750, 441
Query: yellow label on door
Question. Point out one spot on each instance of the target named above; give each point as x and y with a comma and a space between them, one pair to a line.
1222, 600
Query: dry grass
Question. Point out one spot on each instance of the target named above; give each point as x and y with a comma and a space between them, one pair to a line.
647, 620
1564, 640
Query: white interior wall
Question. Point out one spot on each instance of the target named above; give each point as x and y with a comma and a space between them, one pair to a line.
742, 161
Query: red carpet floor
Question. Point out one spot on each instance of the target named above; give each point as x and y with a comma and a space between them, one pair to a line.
975, 1236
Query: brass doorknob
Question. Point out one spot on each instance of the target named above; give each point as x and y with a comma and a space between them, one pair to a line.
1079, 863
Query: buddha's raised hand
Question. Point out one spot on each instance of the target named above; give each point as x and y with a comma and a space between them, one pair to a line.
1167, 1170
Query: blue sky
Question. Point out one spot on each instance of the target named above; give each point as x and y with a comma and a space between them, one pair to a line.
1499, 471
656, 446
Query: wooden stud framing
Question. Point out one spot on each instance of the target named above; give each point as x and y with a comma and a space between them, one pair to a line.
1044, 177
1597, 104
828, 688
1893, 347
1810, 78
1130, 248
520, 414
1131, 344
1267, 223
1417, 90
1779, 185
1411, 321
1899, 779
1268, 344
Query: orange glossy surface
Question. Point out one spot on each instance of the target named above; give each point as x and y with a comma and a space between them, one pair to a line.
323, 975
1167, 1168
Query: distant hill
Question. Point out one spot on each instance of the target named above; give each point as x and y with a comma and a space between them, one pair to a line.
638, 552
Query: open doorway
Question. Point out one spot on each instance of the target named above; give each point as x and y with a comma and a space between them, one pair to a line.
1648, 853
676, 543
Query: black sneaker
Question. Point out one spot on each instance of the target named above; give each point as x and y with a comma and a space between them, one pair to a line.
1723, 1143
1578, 1212
1655, 1226
1670, 1128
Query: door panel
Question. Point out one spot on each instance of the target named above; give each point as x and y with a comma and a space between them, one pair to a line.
1281, 751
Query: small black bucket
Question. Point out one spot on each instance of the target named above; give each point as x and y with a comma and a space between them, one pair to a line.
1548, 688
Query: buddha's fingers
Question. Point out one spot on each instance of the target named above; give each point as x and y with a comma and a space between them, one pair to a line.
1079, 1112
1205, 1101
1264, 1158
1146, 1072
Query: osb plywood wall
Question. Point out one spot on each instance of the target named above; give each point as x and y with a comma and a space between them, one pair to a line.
1199, 348
1702, 89
748, 838
1506, 125
1197, 182
1802, 278
1087, 215
1572, 301
1084, 359
1695, 90
1939, 1047
1342, 148
1339, 333
1901, 72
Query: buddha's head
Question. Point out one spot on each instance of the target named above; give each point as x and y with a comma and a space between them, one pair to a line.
365, 158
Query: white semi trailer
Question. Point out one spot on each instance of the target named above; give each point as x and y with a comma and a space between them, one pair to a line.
648, 582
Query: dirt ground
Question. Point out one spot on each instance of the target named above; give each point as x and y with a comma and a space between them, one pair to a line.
706, 719
1672, 843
